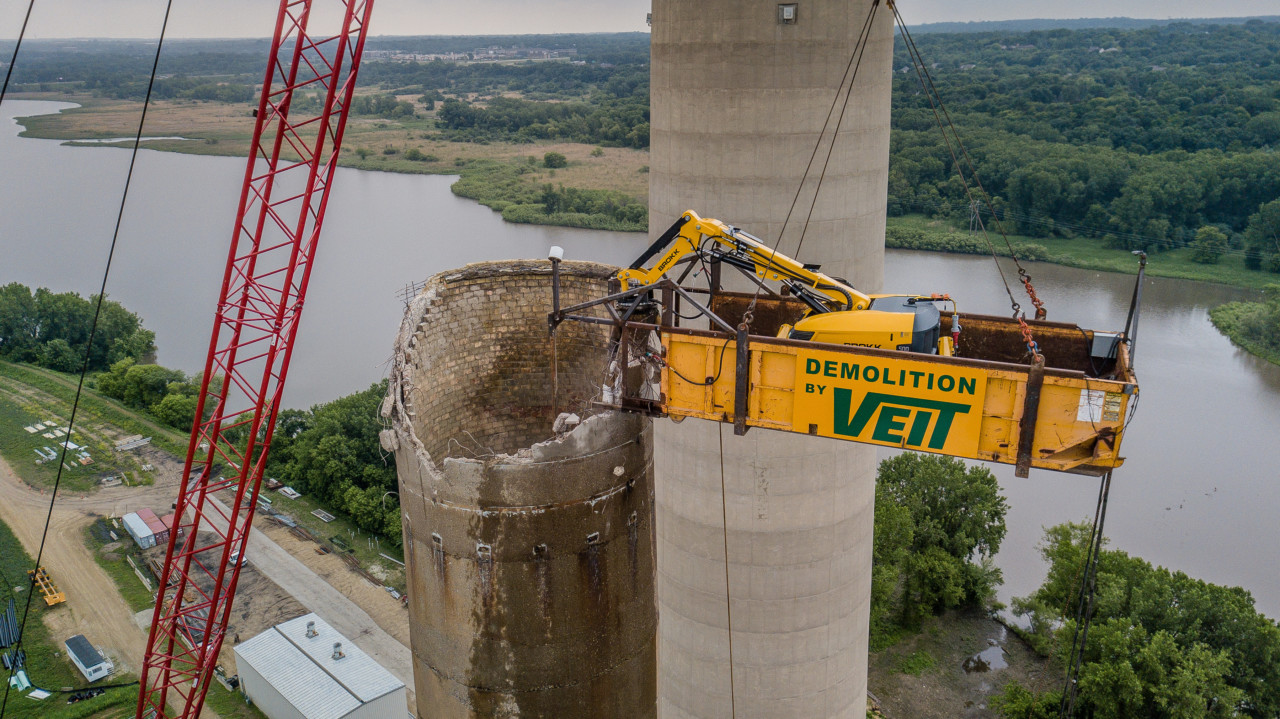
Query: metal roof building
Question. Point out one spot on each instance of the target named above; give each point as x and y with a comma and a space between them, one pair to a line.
87, 659
305, 669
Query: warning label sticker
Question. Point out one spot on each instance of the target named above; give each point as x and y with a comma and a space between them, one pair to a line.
1091, 401
1099, 406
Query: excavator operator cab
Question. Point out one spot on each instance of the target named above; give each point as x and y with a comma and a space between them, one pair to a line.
906, 323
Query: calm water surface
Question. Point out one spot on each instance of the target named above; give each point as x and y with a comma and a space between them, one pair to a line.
1199, 493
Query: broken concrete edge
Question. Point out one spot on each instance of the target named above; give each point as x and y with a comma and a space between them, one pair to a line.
597, 434
524, 267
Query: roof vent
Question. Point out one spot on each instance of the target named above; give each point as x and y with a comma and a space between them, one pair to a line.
311, 630
337, 650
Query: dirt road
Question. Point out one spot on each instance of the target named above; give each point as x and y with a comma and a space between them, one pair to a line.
388, 612
94, 607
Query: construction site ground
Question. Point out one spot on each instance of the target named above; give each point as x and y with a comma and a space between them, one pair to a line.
281, 580
951, 669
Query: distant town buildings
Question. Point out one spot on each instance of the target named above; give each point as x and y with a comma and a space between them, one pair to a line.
494, 53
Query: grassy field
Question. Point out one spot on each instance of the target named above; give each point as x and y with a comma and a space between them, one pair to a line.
30, 395
47, 665
1090, 254
230, 705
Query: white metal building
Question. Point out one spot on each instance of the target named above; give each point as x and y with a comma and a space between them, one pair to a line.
305, 669
138, 529
87, 659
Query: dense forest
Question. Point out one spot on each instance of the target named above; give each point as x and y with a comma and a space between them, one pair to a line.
1138, 137
51, 329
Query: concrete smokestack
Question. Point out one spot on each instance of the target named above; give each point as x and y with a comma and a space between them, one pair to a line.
740, 92
529, 544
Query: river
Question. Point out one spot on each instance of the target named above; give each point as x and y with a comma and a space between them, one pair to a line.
1198, 494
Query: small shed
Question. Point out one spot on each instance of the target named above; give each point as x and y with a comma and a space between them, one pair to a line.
138, 529
157, 527
87, 659
305, 669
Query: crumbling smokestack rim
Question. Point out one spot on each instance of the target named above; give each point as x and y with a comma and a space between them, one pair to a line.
402, 384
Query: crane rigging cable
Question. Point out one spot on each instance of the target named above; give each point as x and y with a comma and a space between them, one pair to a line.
859, 49
941, 115
93, 327
1084, 608
8, 73
850, 75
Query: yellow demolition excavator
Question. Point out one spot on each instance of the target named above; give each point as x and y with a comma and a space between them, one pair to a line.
837, 313
810, 354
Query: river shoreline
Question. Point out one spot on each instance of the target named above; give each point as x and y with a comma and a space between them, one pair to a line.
472, 184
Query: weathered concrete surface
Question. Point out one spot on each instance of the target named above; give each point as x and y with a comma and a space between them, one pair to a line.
530, 565
738, 103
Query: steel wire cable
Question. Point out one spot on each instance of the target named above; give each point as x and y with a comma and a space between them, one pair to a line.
860, 49
917, 62
1084, 609
4, 89
850, 71
93, 328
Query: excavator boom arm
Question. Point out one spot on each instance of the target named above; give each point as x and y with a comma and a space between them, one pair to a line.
692, 234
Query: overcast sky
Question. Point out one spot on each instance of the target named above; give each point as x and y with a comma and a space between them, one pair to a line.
254, 18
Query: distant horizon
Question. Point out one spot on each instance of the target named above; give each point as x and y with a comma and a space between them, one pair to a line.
1131, 19
250, 19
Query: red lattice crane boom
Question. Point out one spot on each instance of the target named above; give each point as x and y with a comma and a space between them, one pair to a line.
281, 211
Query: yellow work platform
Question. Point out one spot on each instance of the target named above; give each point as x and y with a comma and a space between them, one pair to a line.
50, 592
987, 403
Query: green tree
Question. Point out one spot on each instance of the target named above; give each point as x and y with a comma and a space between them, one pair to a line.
554, 160
147, 385
956, 516
1253, 325
890, 549
111, 383
1163, 644
176, 410
31, 322
1209, 245
1017, 702
1262, 237
1129, 672
59, 356
333, 453
19, 332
